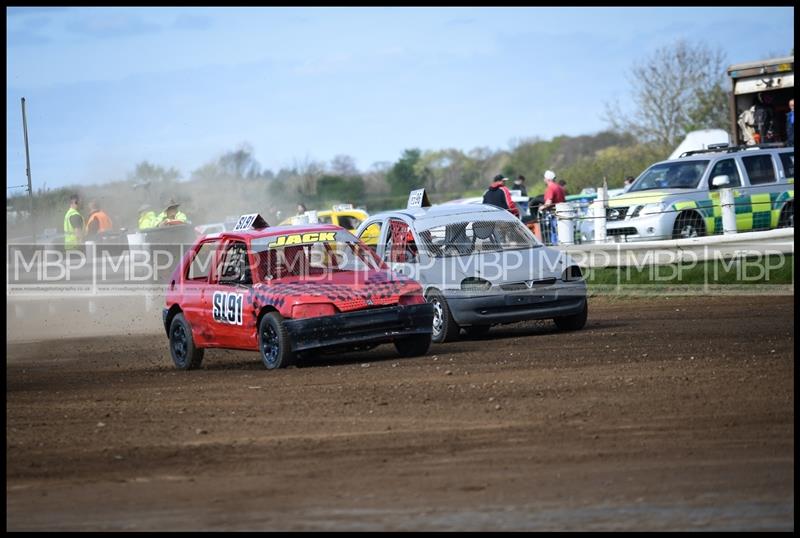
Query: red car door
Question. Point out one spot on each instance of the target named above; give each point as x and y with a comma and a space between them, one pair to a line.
195, 284
226, 297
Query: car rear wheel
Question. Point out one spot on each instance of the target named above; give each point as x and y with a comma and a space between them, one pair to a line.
445, 328
185, 354
413, 346
688, 224
574, 322
273, 342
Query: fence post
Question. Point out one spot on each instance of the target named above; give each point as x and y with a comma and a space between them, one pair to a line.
727, 202
599, 216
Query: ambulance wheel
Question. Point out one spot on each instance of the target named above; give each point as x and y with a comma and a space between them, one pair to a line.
273, 342
688, 224
787, 217
574, 322
185, 354
413, 346
445, 328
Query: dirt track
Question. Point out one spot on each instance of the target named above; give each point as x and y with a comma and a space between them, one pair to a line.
665, 414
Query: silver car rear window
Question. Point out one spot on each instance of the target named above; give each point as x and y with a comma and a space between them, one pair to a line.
465, 238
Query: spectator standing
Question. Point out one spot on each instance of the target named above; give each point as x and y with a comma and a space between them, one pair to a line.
98, 221
628, 182
147, 217
790, 124
73, 225
553, 193
498, 195
519, 184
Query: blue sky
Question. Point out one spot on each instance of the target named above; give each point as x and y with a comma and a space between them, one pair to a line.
107, 88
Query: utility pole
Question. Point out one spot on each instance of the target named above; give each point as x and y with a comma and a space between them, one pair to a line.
28, 170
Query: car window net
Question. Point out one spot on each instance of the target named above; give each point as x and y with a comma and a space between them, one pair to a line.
473, 237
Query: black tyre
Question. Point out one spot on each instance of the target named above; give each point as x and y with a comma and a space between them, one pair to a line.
476, 331
574, 322
413, 346
445, 328
688, 224
273, 342
185, 354
787, 217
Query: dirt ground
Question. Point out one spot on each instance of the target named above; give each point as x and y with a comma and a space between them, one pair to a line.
662, 414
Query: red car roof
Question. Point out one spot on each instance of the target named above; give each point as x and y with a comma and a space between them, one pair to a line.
271, 231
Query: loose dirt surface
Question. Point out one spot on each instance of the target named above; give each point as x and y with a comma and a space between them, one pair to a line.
662, 414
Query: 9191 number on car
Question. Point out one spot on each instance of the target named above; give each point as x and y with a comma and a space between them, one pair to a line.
227, 307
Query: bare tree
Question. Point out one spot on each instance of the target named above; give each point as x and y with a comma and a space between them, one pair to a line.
240, 163
343, 165
678, 89
308, 172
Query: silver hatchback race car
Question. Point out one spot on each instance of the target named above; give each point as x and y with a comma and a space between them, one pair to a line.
479, 266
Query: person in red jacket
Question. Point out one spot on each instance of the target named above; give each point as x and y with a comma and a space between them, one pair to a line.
499, 195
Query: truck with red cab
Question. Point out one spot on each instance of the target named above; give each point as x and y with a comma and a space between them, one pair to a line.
287, 290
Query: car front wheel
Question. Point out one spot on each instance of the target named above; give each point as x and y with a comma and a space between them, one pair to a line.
273, 342
688, 224
787, 217
476, 331
185, 354
445, 328
574, 322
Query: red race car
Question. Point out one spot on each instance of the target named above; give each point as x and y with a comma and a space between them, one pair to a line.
286, 290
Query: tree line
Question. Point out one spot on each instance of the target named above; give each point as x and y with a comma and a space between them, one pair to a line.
677, 89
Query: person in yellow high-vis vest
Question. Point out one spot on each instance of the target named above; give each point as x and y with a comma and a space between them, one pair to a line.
73, 225
171, 215
147, 217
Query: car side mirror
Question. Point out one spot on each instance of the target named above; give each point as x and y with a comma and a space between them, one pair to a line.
721, 181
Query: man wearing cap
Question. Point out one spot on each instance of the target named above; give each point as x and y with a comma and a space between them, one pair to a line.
147, 217
499, 195
171, 215
553, 193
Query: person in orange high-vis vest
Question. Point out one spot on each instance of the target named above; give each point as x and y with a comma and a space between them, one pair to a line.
97, 222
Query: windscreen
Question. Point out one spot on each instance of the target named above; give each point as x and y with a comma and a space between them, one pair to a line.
312, 253
672, 175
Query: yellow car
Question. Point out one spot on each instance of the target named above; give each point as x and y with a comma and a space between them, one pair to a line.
343, 215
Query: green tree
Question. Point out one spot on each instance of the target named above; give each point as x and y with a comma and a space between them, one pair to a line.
335, 189
405, 175
709, 110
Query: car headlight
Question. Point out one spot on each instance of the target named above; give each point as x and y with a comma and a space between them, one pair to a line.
653, 209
